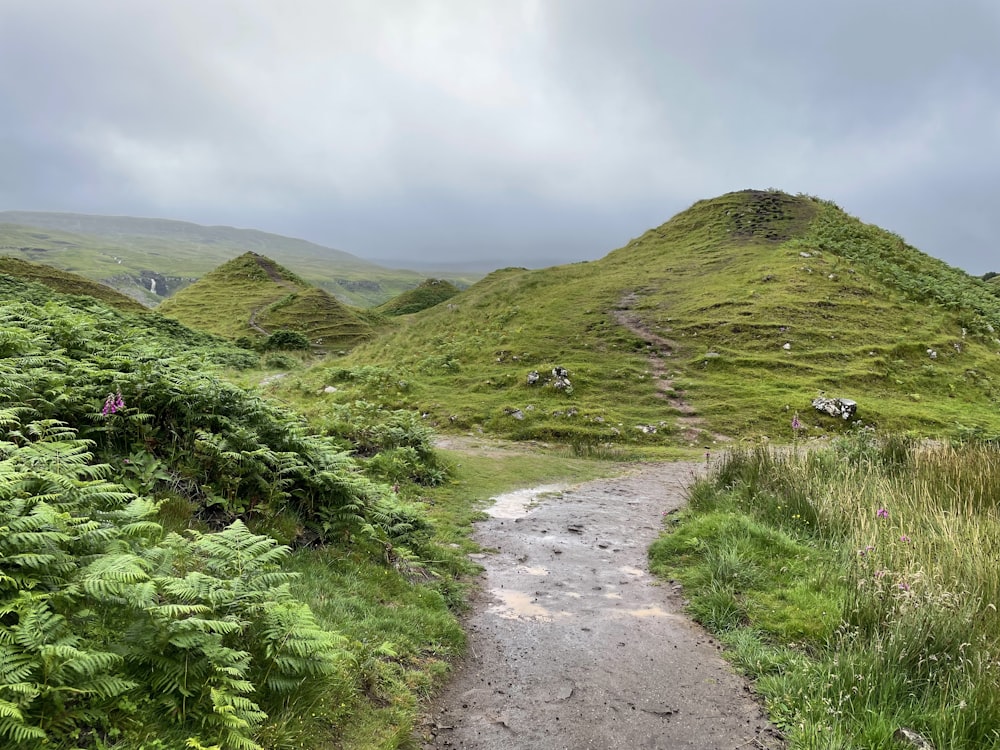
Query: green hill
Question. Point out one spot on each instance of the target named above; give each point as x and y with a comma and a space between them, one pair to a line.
150, 259
67, 283
430, 292
253, 296
724, 322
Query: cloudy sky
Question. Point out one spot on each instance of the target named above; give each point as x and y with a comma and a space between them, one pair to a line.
519, 132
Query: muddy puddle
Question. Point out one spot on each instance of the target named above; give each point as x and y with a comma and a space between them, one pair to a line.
572, 644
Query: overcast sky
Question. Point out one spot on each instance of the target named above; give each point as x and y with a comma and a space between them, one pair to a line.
520, 132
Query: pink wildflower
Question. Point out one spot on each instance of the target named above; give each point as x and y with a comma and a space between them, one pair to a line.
882, 513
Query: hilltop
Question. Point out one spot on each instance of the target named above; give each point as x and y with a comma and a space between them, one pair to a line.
254, 296
150, 259
723, 323
430, 292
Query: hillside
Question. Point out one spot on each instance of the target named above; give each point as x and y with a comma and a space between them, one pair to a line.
67, 283
724, 322
253, 296
152, 258
430, 292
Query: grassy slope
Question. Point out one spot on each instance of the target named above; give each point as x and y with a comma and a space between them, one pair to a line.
728, 283
430, 292
119, 248
254, 289
67, 283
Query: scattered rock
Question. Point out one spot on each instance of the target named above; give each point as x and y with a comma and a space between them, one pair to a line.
533, 377
648, 429
932, 354
516, 413
787, 347
844, 408
805, 255
330, 389
560, 377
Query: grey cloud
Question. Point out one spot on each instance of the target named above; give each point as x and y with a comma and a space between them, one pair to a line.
535, 131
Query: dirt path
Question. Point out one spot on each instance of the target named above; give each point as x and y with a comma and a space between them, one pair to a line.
573, 645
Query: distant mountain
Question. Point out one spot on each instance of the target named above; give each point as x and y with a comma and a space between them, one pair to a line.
150, 259
253, 296
728, 320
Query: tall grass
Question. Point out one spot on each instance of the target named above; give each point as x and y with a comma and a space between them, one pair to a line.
909, 535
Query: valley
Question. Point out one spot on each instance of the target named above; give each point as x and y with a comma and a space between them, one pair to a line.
256, 516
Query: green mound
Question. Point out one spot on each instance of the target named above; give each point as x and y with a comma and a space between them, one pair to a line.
430, 292
726, 321
66, 283
254, 296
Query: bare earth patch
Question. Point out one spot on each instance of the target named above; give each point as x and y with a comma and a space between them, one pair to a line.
572, 644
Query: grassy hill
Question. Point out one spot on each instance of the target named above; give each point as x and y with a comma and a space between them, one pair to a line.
724, 322
253, 296
67, 283
152, 258
430, 292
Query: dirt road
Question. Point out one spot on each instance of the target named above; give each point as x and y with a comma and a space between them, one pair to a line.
573, 644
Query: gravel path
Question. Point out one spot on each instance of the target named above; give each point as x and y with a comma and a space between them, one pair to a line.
572, 644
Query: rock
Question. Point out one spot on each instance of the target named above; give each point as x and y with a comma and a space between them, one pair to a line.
330, 389
648, 429
533, 377
560, 377
913, 739
932, 354
787, 347
516, 413
805, 255
844, 408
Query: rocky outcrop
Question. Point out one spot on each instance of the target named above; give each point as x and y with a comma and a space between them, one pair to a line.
844, 408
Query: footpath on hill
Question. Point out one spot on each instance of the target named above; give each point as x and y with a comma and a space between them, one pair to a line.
572, 644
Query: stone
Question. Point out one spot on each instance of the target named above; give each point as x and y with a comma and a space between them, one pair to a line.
560, 379
516, 413
787, 347
912, 738
932, 354
533, 377
844, 408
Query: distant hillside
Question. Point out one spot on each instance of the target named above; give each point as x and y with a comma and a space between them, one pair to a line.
728, 320
150, 259
253, 296
430, 292
67, 283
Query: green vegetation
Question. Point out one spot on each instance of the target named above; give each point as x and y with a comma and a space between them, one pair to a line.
728, 319
430, 292
855, 584
252, 296
66, 283
118, 249
188, 564
118, 630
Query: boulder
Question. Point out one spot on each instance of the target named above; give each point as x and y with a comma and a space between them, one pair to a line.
533, 377
844, 408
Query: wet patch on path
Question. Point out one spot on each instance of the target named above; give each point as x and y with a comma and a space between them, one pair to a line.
572, 644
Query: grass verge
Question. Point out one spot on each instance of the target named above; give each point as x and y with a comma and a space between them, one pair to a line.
857, 585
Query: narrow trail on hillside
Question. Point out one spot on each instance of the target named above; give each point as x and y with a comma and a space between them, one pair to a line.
660, 349
572, 644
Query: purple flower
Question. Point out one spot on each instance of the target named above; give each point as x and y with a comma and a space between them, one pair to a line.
904, 586
113, 403
796, 424
882, 513
904, 538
